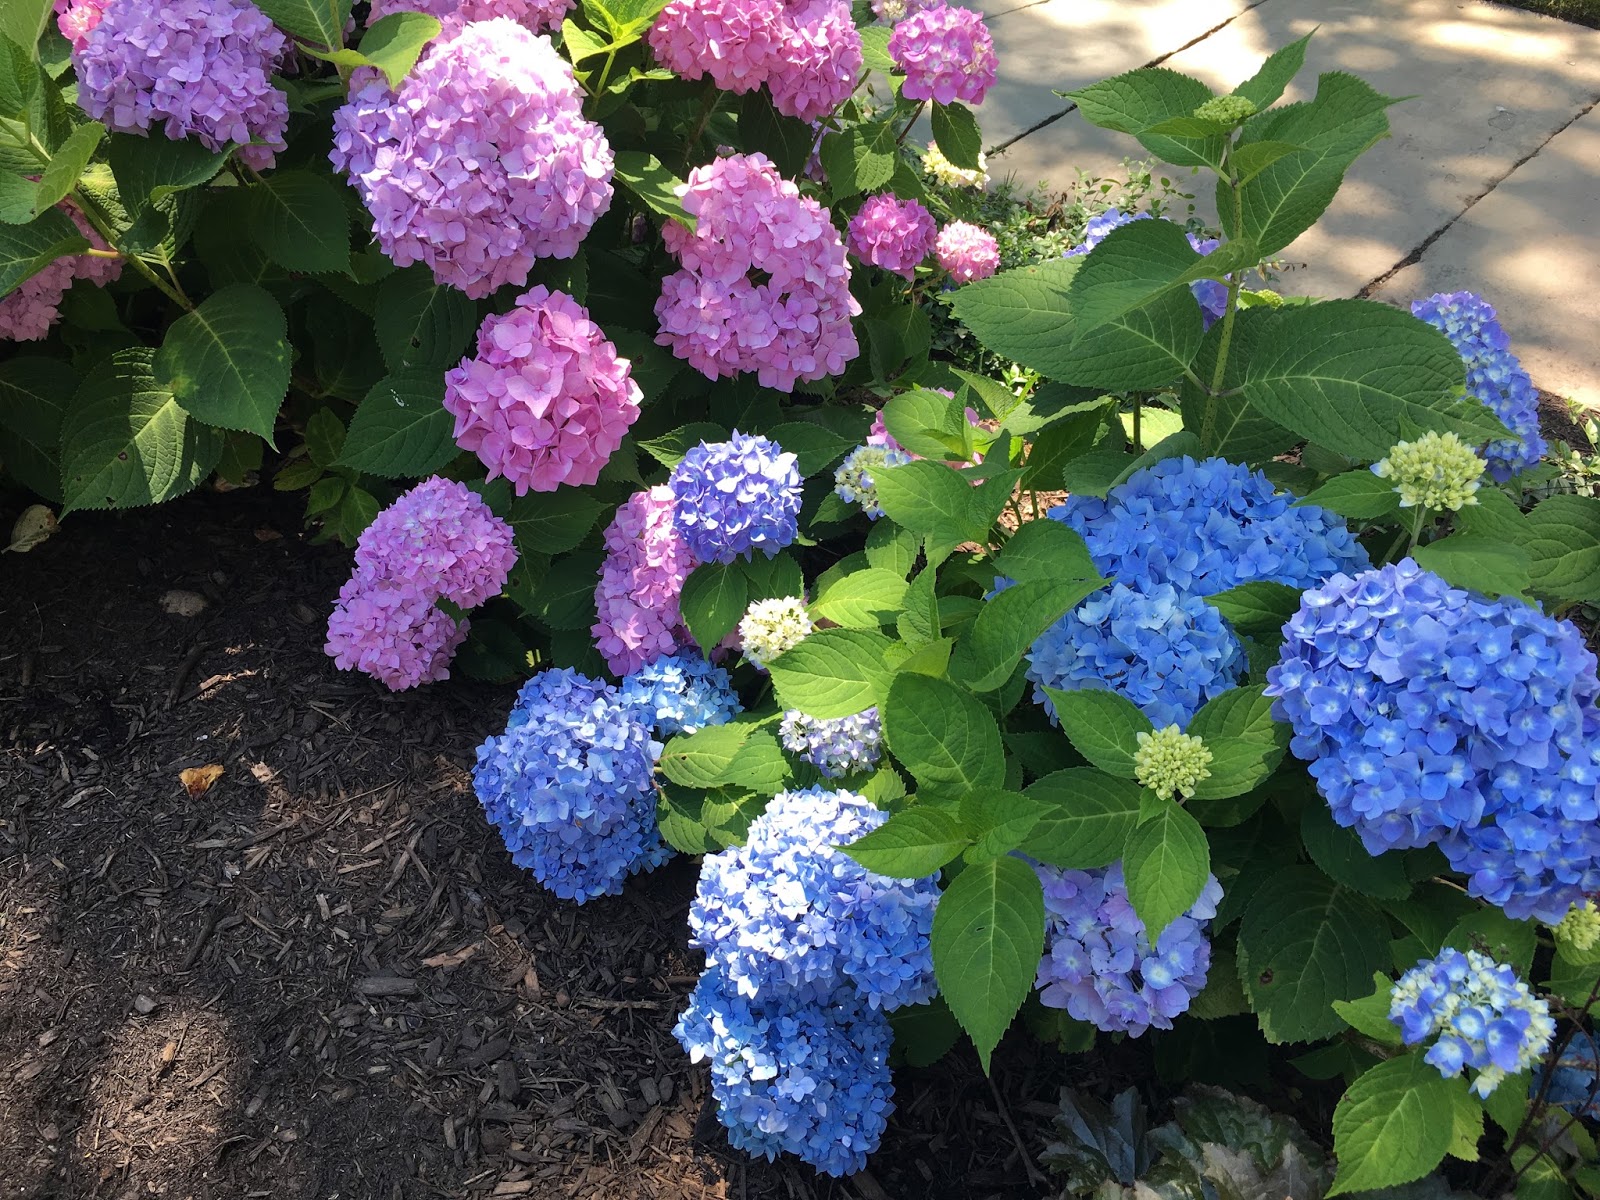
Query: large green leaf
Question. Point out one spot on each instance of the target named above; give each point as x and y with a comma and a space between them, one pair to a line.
1360, 495
1087, 818
148, 170
393, 43
1103, 726
227, 362
943, 734
1563, 544
1138, 101
1267, 85
653, 185
1166, 862
1239, 432
862, 599
988, 935
934, 500
1258, 609
401, 429
1023, 314
1393, 1125
833, 673
67, 164
22, 21
1345, 860
914, 842
1305, 942
127, 442
300, 221
1246, 744
34, 395
738, 755
422, 325
321, 22
1478, 562
553, 522
859, 159
1043, 551
955, 131
25, 250
1008, 624
714, 598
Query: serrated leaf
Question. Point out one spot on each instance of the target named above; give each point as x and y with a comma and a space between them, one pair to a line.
319, 21
126, 440
912, 843
862, 599
1246, 744
1087, 819
1023, 314
35, 393
393, 43
227, 362
66, 164
919, 624
22, 21
942, 733
891, 548
714, 598
421, 325
1102, 726
1370, 1014
1360, 495
1258, 609
700, 821
401, 428
927, 423
1393, 1125
669, 448
997, 821
1137, 101
300, 221
25, 250
859, 159
1046, 550
737, 755
1009, 623
832, 673
988, 935
1345, 860
1166, 863
931, 499
1478, 563
553, 522
653, 185
815, 447
955, 131
1563, 545
1267, 85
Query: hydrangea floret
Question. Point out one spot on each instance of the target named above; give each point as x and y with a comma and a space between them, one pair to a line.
853, 481
440, 538
638, 619
1437, 471
392, 632
1579, 930
946, 53
1226, 110
967, 252
769, 627
938, 167
75, 18
733, 498
681, 693
1485, 1018
892, 233
1170, 762
836, 746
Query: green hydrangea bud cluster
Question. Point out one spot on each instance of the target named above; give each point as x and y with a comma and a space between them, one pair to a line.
1437, 471
1225, 110
1580, 928
769, 627
1170, 762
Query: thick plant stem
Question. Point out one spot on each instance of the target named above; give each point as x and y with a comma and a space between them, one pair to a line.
901, 140
92, 213
1208, 421
707, 107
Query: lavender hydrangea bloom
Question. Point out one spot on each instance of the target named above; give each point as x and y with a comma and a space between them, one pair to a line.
202, 67
393, 631
805, 1072
1494, 376
1098, 962
735, 497
681, 693
440, 538
568, 784
837, 746
1167, 652
1432, 716
788, 910
1208, 526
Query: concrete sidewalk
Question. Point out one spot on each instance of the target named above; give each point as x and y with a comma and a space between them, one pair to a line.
1490, 183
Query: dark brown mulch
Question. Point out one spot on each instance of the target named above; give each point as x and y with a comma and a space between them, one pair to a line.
323, 977
1558, 422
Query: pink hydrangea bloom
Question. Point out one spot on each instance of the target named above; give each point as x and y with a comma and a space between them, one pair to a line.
546, 401
203, 67
967, 252
946, 53
440, 538
641, 579
790, 323
75, 18
28, 311
482, 162
539, 16
818, 62
733, 41
891, 233
391, 631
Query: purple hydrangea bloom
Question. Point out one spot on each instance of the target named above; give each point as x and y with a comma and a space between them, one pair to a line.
946, 54
1432, 716
1165, 651
681, 693
440, 539
835, 746
569, 786
892, 233
789, 911
1494, 376
804, 1072
735, 497
540, 16
392, 631
1098, 962
967, 252
482, 162
641, 580
202, 67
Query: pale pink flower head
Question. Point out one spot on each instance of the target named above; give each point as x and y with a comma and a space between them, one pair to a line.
391, 631
29, 310
440, 538
537, 16
75, 18
946, 53
967, 252
547, 400
641, 581
733, 41
818, 61
892, 233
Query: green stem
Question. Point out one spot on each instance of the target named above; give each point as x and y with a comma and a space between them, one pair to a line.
1138, 411
102, 225
707, 107
900, 141
1208, 421
1416, 528
605, 71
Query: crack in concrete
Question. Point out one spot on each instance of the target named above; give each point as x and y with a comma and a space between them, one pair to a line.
1415, 256
1016, 8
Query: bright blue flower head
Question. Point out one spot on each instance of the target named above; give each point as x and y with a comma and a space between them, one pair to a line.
1098, 962
1166, 652
681, 693
1213, 296
1208, 526
1485, 1018
569, 787
806, 1073
788, 910
736, 497
1430, 715
1100, 226
838, 746
1494, 376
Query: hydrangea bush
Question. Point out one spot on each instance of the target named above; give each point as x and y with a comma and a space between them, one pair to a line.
614, 324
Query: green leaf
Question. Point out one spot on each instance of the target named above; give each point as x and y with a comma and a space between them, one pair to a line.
1360, 495
227, 362
669, 448
859, 159
325, 435
1574, 978
22, 21
1250, 160
67, 164
931, 499
941, 733
832, 673
300, 221
1023, 314
815, 446
1370, 1014
1491, 932
891, 548
1087, 820
914, 842
955, 130
988, 936
126, 441
997, 821
1137, 101
738, 755
1167, 862
1495, 515
653, 185
1258, 609
775, 578
714, 598
321, 22
1466, 1123
1478, 563
1345, 860
1350, 373
1041, 551
1240, 432
785, 140
919, 624
1010, 623
862, 599
924, 1033
1393, 1125
1266, 86
1563, 544
697, 821
1305, 942
421, 325
401, 429
35, 393
553, 522
1246, 744
927, 423
394, 43
25, 250
1102, 726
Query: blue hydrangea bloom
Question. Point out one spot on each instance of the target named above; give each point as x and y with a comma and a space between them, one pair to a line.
1574, 1078
1486, 1019
681, 693
1167, 652
1213, 296
1098, 962
568, 785
788, 910
1208, 526
1099, 228
1432, 716
1494, 376
735, 497
800, 1072
835, 746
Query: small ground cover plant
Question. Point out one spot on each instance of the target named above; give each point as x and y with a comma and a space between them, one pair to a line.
615, 358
